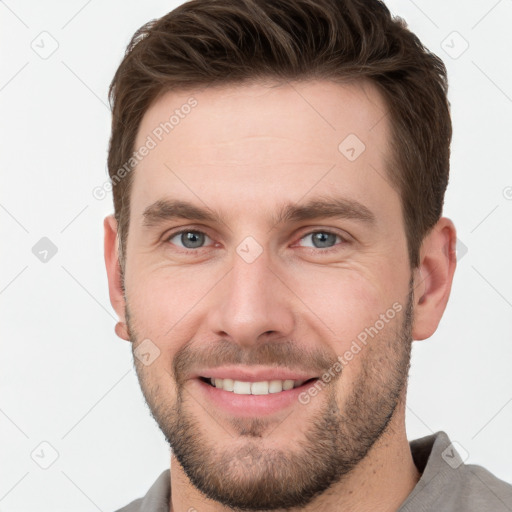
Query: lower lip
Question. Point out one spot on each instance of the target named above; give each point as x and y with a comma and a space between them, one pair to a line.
251, 405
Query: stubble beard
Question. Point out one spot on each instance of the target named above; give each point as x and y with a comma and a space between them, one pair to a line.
246, 475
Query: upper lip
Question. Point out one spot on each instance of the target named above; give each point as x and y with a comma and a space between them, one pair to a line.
247, 374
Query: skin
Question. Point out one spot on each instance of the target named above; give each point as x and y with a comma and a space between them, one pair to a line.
243, 151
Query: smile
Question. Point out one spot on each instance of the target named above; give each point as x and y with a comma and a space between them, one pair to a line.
266, 387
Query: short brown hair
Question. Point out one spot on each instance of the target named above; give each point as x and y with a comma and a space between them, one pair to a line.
225, 42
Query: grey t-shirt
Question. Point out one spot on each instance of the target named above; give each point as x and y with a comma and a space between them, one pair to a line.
446, 484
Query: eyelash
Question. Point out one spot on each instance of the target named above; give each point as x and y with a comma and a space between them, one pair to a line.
323, 251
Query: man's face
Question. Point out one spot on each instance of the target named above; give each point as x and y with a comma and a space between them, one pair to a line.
250, 294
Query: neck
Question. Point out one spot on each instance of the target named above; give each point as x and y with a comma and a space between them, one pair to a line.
381, 481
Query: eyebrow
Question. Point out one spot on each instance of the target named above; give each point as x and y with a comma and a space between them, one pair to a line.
330, 207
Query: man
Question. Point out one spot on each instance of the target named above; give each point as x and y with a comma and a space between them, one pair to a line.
278, 173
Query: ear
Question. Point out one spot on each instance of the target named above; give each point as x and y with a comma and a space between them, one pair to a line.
433, 278
114, 275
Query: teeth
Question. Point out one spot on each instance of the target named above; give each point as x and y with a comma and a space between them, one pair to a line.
259, 388
275, 386
255, 388
226, 384
239, 387
287, 384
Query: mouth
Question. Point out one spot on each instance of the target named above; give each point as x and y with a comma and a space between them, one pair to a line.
264, 387
243, 391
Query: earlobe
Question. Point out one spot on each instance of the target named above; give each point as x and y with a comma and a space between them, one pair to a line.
114, 274
122, 331
433, 278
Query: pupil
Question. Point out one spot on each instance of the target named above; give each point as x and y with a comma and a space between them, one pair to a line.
192, 239
321, 239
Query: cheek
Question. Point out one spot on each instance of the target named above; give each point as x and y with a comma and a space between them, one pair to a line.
162, 301
344, 300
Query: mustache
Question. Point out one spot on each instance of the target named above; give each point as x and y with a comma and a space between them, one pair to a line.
223, 352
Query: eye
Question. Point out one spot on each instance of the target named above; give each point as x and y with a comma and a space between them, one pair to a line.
194, 239
188, 239
322, 239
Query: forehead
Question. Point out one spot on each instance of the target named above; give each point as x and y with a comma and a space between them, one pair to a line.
262, 140
279, 110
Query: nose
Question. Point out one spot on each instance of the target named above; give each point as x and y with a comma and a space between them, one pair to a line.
252, 303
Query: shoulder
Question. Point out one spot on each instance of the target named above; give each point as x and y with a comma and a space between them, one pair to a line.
134, 506
480, 490
449, 485
157, 498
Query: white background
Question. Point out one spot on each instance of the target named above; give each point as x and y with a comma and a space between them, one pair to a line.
67, 380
